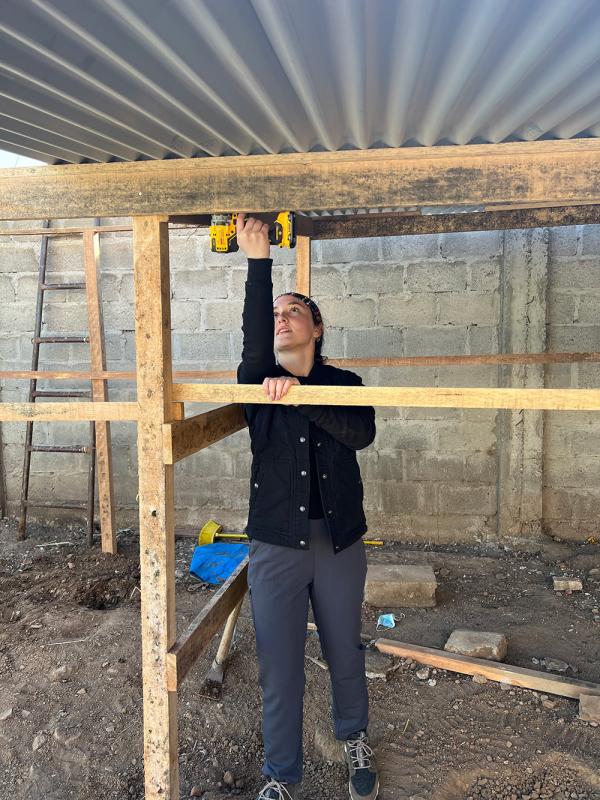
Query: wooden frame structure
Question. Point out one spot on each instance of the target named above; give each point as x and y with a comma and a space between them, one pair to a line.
519, 184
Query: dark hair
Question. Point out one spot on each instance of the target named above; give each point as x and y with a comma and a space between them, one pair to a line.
317, 319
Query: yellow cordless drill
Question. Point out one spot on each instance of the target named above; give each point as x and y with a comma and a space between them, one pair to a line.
223, 238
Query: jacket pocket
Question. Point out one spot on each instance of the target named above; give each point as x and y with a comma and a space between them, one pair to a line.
271, 500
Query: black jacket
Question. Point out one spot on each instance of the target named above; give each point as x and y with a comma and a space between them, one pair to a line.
280, 436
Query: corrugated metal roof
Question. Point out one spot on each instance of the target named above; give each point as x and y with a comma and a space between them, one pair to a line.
106, 80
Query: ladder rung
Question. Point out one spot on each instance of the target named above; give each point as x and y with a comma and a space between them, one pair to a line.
60, 339
82, 393
52, 287
51, 448
50, 504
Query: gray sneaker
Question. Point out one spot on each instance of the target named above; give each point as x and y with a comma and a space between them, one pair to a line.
362, 770
277, 790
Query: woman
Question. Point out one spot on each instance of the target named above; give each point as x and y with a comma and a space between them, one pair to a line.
305, 525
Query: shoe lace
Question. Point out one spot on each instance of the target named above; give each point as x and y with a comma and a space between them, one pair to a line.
278, 787
360, 753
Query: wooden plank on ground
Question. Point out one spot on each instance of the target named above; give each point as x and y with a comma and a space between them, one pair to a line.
505, 673
72, 411
157, 532
182, 439
424, 397
204, 626
559, 172
106, 501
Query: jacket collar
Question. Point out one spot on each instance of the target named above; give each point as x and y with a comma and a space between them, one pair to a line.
312, 377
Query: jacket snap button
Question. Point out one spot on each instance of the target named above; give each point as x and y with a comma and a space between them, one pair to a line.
302, 508
324, 474
302, 543
329, 511
318, 444
303, 473
302, 439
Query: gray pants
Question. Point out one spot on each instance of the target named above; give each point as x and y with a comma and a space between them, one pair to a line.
281, 581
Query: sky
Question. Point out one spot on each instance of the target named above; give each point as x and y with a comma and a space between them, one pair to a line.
14, 160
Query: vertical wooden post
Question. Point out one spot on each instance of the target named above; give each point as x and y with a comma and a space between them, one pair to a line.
91, 255
157, 532
303, 265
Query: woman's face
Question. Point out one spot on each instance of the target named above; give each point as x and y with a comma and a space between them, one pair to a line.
294, 324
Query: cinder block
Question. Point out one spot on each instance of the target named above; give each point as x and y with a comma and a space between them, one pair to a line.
374, 341
186, 315
405, 248
9, 349
416, 308
400, 585
340, 251
400, 498
7, 292
484, 275
574, 274
327, 281
561, 308
590, 245
473, 243
589, 308
471, 307
18, 257
196, 284
201, 347
432, 467
468, 499
563, 241
435, 340
348, 312
374, 278
482, 339
478, 644
436, 276
222, 314
574, 338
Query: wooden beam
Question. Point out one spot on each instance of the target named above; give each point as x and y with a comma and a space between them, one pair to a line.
203, 627
182, 439
72, 411
558, 172
157, 531
399, 224
106, 500
303, 265
74, 231
391, 361
515, 676
421, 396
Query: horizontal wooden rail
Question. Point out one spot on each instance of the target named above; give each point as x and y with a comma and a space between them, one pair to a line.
74, 231
188, 647
490, 359
416, 397
505, 673
181, 439
72, 412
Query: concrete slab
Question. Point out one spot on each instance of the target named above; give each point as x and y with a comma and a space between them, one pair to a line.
400, 585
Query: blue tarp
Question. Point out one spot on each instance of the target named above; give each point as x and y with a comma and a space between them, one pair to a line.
214, 563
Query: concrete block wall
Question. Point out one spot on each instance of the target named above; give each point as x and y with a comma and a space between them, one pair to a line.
432, 474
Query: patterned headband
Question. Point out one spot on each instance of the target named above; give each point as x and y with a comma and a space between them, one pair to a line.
314, 308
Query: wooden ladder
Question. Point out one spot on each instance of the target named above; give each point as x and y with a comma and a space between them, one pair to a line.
98, 449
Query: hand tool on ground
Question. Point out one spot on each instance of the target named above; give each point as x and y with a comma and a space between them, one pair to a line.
223, 232
212, 531
215, 675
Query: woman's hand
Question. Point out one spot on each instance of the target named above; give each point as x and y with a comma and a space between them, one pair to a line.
276, 388
253, 237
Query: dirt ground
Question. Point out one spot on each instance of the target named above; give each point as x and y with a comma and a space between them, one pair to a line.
70, 681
